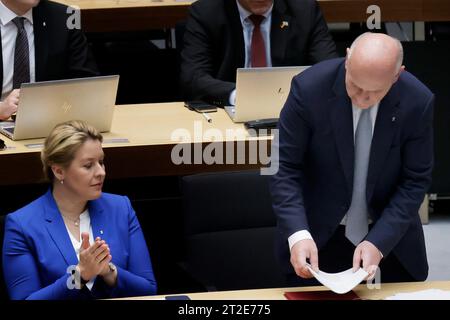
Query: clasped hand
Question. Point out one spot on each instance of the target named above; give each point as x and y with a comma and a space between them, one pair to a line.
94, 259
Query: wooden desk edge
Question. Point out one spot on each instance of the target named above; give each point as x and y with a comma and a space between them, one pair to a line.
386, 290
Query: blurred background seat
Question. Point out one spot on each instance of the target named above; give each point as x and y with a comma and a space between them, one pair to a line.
229, 231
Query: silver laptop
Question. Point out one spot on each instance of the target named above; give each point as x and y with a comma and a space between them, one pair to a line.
43, 105
261, 92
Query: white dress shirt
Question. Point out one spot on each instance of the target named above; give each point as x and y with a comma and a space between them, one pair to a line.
247, 28
304, 234
85, 226
8, 33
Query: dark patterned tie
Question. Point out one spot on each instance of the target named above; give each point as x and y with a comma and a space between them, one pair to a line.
258, 49
21, 55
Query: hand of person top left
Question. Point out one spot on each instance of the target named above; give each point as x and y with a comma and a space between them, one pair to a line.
9, 105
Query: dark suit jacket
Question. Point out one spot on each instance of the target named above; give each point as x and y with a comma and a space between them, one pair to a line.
60, 53
213, 45
313, 187
37, 251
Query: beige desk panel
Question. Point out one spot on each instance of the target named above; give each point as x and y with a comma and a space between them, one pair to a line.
386, 290
151, 124
155, 123
148, 127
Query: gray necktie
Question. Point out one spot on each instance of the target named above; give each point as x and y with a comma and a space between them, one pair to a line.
357, 216
21, 55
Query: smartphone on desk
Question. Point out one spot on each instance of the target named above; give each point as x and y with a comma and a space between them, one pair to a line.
178, 297
200, 106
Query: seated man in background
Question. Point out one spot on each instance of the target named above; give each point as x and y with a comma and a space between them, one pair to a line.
223, 35
74, 227
38, 45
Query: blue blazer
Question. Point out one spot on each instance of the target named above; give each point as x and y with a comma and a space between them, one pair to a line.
313, 187
37, 251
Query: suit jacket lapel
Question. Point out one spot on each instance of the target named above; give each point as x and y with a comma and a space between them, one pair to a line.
237, 34
98, 220
279, 32
57, 230
385, 128
342, 123
40, 41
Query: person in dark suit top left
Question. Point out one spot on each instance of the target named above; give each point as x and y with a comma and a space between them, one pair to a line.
56, 50
75, 242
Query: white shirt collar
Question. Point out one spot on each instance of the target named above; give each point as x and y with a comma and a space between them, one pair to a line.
244, 13
6, 15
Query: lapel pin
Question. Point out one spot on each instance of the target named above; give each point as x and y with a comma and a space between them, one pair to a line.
393, 119
101, 231
284, 24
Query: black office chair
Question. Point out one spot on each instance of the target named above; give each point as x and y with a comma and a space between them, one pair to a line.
229, 228
3, 292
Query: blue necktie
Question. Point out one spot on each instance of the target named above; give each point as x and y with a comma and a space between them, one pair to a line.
21, 55
357, 216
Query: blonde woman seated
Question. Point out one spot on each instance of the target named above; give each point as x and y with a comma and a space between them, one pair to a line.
75, 242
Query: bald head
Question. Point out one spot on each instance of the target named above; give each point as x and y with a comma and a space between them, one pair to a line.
377, 50
373, 65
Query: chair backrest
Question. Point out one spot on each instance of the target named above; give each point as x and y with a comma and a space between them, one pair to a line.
3, 292
229, 229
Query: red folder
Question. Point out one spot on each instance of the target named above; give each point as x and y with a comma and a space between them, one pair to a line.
321, 295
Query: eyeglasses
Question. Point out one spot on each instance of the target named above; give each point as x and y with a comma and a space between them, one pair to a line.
2, 145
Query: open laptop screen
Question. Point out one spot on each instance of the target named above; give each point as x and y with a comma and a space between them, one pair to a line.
43, 105
262, 92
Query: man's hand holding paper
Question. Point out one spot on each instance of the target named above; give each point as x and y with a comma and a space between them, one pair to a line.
370, 257
302, 250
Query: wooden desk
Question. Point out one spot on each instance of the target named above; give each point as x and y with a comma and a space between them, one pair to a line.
436, 10
129, 15
148, 127
391, 10
362, 291
133, 15
355, 10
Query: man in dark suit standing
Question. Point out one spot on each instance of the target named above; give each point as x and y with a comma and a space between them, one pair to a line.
355, 161
223, 35
37, 44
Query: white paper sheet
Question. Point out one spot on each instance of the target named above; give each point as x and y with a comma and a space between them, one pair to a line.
430, 294
341, 282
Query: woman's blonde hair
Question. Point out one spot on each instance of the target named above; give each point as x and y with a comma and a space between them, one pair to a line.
63, 142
